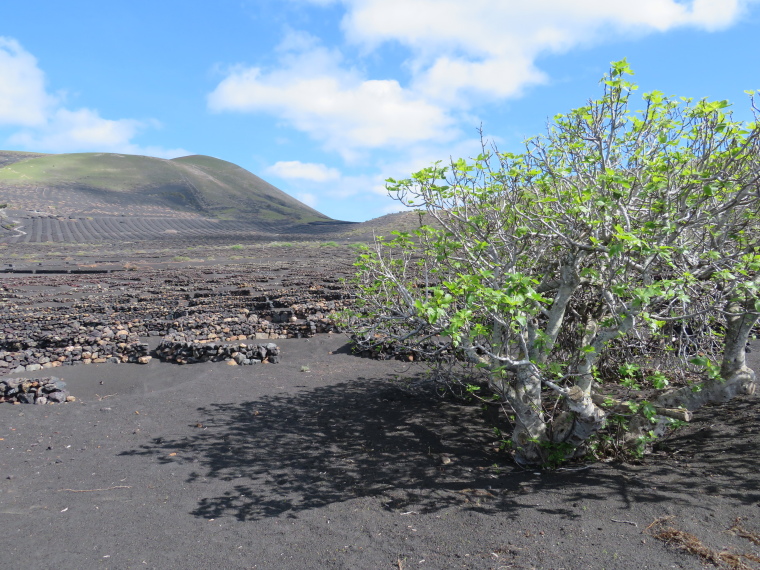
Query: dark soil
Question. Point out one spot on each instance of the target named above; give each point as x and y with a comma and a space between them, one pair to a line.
327, 460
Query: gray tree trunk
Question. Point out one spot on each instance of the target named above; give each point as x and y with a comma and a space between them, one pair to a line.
735, 376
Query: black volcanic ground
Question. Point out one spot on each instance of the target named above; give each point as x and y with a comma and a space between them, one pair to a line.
323, 460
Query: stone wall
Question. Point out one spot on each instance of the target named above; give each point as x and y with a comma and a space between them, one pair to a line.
68, 319
42, 357
190, 349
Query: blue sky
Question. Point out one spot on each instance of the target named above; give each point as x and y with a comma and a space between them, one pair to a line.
328, 98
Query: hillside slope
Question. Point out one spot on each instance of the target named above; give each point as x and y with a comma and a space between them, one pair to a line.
10, 156
103, 183
227, 187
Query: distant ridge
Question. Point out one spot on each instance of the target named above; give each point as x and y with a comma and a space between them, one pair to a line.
121, 184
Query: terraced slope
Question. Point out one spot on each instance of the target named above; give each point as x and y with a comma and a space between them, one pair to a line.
175, 231
119, 184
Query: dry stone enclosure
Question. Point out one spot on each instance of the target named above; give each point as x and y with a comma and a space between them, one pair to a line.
184, 315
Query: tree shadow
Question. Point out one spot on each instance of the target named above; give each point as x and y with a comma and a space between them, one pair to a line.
286, 453
716, 455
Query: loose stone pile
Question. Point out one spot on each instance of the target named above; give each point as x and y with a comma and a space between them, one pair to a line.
50, 390
184, 349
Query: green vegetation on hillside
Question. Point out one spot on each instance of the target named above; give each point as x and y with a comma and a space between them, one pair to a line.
194, 183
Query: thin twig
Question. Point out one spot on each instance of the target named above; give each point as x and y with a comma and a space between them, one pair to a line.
101, 398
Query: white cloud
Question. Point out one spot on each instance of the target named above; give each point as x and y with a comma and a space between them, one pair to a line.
485, 27
459, 54
337, 192
304, 170
370, 186
488, 48
46, 126
308, 199
333, 104
66, 130
350, 186
85, 130
23, 99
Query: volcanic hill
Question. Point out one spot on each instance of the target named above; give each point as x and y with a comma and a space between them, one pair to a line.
87, 197
199, 185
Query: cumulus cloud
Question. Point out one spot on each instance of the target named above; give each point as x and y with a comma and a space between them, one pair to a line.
85, 130
489, 48
46, 126
65, 130
23, 98
370, 184
458, 55
332, 103
304, 170
484, 27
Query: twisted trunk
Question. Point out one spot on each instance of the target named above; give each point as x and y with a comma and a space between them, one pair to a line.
735, 376
530, 434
